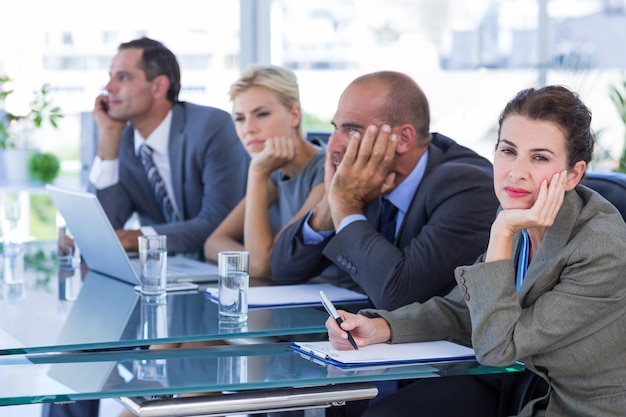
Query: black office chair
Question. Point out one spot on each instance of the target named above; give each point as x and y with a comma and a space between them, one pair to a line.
319, 138
612, 186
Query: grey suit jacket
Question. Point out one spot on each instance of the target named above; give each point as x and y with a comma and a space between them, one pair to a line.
446, 225
568, 323
209, 170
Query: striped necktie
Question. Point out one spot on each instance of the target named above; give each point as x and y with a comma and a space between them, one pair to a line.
522, 260
158, 186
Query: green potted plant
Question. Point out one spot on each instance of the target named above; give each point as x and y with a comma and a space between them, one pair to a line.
43, 167
16, 129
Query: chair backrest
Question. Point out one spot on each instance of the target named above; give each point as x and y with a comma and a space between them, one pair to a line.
319, 138
611, 185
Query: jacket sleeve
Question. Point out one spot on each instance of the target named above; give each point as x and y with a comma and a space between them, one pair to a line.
294, 262
576, 293
439, 318
455, 209
116, 203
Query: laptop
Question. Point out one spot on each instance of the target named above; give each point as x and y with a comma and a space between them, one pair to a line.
101, 249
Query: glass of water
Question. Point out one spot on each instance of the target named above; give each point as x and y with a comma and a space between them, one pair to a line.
153, 261
233, 284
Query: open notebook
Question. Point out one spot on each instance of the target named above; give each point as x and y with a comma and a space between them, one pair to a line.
102, 250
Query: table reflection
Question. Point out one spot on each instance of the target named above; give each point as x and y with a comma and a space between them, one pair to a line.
13, 282
13, 292
153, 317
70, 277
232, 370
11, 217
13, 267
32, 265
152, 325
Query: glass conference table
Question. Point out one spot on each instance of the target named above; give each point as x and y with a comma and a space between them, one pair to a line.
66, 337
250, 378
54, 309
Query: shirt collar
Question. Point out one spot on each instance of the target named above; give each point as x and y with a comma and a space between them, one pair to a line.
402, 195
158, 139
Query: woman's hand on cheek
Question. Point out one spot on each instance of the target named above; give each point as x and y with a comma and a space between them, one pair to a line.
277, 152
541, 214
543, 211
549, 201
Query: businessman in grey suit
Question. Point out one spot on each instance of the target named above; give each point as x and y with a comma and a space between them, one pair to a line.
443, 191
195, 150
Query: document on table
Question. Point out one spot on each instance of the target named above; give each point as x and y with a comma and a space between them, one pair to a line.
292, 295
385, 353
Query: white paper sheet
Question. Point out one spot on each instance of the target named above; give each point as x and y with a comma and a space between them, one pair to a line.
298, 294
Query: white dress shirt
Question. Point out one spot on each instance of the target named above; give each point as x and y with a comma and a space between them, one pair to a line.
104, 174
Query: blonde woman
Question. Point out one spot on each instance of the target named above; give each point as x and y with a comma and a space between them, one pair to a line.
286, 172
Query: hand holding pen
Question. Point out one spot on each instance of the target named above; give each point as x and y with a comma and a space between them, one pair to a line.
330, 308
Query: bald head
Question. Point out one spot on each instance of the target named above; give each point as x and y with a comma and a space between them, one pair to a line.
404, 101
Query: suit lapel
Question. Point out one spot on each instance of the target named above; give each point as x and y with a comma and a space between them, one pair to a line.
554, 240
176, 149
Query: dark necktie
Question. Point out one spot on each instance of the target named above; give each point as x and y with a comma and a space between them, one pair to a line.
158, 186
388, 213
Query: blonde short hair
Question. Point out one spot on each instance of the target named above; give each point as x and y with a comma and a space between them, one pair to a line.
279, 80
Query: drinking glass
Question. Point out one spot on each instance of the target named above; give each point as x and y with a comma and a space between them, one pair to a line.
233, 281
153, 261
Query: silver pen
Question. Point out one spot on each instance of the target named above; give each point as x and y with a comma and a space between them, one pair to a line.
330, 308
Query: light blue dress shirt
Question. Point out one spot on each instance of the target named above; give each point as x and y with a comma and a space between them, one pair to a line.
401, 197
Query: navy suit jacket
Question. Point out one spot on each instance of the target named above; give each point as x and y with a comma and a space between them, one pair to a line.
209, 169
446, 225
